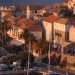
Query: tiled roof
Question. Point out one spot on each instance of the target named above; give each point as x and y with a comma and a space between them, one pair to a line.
22, 26
35, 46
56, 10
71, 21
35, 7
51, 18
17, 18
24, 21
35, 28
46, 7
12, 23
9, 15
62, 20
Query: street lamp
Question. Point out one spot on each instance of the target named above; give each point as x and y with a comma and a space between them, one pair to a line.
49, 60
28, 58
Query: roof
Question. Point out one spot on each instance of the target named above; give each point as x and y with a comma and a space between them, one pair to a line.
9, 15
35, 28
16, 42
46, 7
35, 46
24, 21
71, 21
36, 7
56, 10
11, 23
62, 20
51, 18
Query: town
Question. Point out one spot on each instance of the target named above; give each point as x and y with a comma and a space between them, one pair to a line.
41, 37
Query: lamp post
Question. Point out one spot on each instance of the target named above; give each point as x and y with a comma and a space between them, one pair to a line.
49, 60
28, 58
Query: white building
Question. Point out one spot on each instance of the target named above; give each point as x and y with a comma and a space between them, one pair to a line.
48, 27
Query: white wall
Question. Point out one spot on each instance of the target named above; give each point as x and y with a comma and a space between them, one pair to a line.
47, 30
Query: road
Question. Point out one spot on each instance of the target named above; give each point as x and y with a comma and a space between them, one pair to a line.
44, 67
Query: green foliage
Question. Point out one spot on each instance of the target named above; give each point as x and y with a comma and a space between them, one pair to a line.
27, 36
54, 60
45, 60
13, 49
43, 45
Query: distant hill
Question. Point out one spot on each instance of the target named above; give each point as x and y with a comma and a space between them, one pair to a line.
35, 2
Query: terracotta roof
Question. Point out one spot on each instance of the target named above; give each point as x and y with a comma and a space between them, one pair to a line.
22, 26
66, 1
25, 21
35, 28
35, 46
56, 10
17, 18
12, 23
62, 20
35, 7
51, 18
9, 15
46, 7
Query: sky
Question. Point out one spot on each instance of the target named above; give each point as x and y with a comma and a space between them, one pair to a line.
35, 2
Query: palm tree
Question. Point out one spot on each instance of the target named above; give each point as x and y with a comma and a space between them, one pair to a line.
27, 36
4, 27
43, 45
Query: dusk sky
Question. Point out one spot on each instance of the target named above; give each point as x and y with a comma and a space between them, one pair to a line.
40, 2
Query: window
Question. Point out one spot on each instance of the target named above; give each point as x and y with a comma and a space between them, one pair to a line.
35, 11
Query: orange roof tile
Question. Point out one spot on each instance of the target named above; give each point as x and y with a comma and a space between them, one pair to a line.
35, 28
35, 46
51, 18
12, 23
9, 15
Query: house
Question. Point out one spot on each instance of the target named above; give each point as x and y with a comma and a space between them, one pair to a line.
71, 5
61, 30
35, 49
22, 23
72, 34
47, 24
8, 17
36, 30
33, 10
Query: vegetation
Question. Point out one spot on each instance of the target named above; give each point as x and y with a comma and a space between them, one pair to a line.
27, 36
4, 27
22, 56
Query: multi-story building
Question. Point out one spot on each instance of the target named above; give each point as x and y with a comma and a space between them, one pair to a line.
48, 25
61, 30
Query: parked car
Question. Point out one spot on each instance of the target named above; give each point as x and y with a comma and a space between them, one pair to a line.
4, 67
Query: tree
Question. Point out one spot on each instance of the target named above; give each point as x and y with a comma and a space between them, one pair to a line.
43, 45
24, 58
4, 27
27, 36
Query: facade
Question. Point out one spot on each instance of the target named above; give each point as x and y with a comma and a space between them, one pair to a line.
22, 23
33, 10
6, 9
48, 27
61, 30
71, 5
36, 30
72, 34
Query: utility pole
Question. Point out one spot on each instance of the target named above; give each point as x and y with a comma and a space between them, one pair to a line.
28, 58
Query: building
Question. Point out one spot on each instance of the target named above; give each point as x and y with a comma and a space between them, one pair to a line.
22, 23
33, 10
61, 30
72, 34
36, 30
48, 24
